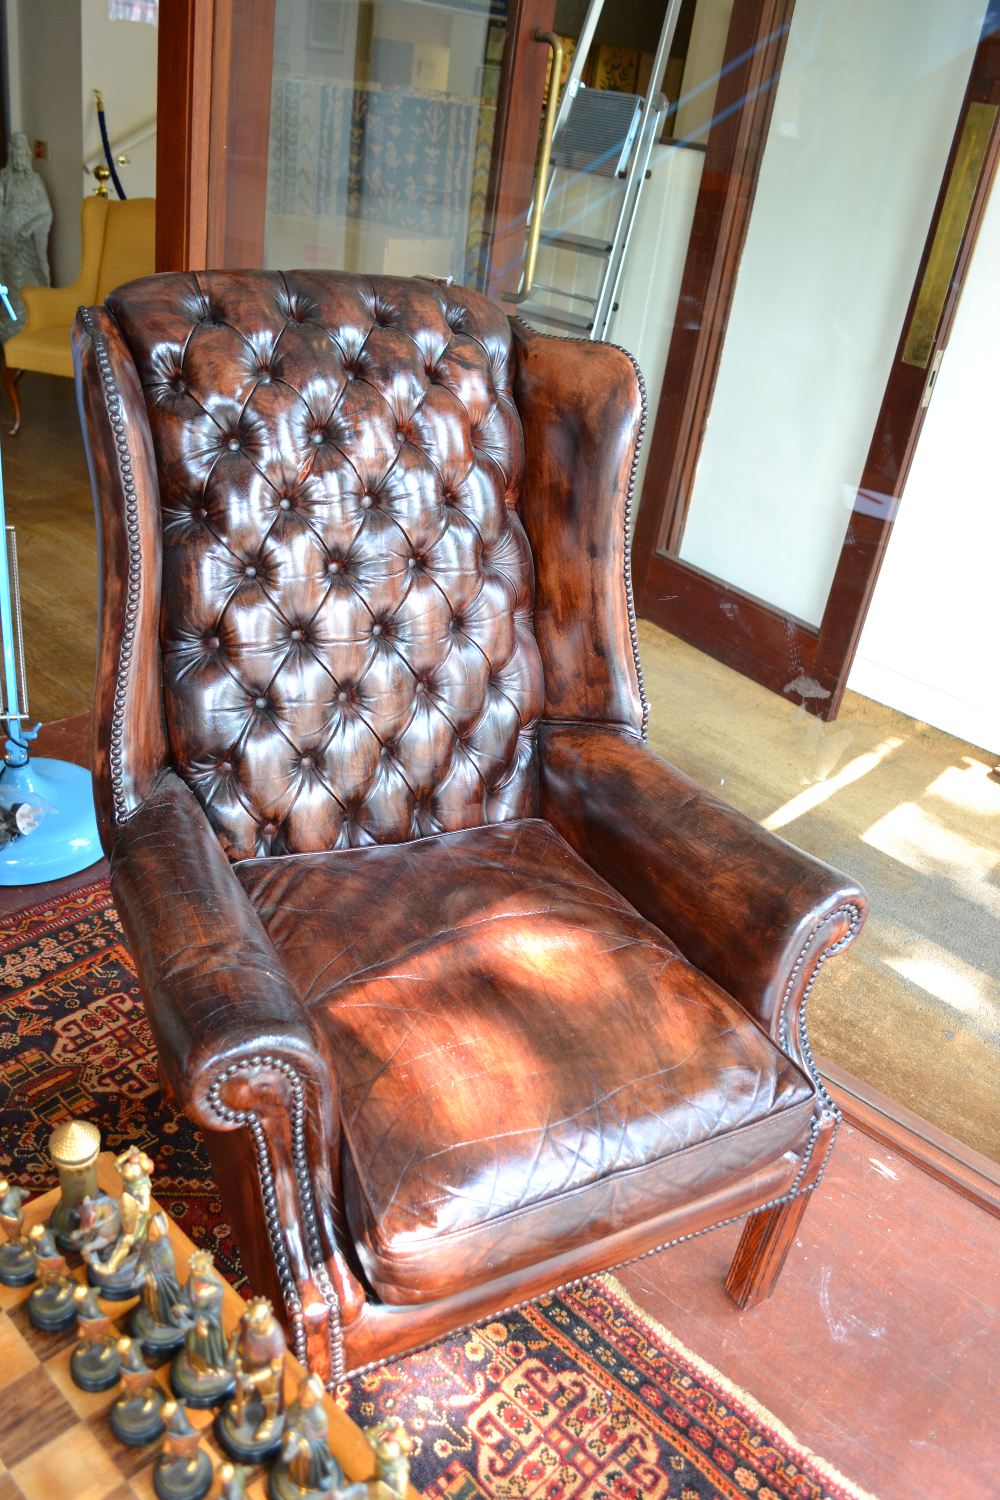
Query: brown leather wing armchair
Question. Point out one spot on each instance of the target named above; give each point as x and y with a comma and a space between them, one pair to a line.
471, 994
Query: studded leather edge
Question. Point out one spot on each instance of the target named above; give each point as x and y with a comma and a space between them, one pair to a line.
633, 628
115, 410
272, 1215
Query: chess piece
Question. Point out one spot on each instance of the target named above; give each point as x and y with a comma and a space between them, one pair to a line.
154, 1321
17, 1258
183, 1470
392, 1446
50, 1305
250, 1424
136, 1417
94, 1365
305, 1469
107, 1247
200, 1373
73, 1148
232, 1481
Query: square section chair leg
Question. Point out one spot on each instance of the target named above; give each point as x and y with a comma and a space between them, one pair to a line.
765, 1242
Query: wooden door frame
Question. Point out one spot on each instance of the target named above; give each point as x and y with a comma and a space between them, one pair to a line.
806, 663
213, 137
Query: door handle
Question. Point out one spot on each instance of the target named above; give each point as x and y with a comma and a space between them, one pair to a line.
544, 162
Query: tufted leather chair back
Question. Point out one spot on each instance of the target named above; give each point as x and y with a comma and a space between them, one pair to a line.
347, 640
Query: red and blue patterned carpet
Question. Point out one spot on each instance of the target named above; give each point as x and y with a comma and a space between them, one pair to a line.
577, 1397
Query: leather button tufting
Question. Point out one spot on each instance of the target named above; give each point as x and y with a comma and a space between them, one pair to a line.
250, 571
333, 567
233, 444
366, 502
284, 503
212, 643
200, 512
296, 635
306, 763
316, 439
376, 629
260, 703
342, 697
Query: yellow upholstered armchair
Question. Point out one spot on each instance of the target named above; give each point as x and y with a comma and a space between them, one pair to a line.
118, 245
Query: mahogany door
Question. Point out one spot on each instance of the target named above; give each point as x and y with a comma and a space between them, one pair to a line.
724, 507
373, 135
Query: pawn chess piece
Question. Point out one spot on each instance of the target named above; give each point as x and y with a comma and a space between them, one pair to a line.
73, 1149
250, 1424
232, 1481
305, 1469
200, 1373
183, 1470
50, 1305
17, 1258
136, 1417
155, 1322
94, 1364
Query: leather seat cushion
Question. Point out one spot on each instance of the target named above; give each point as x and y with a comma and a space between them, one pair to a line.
525, 1063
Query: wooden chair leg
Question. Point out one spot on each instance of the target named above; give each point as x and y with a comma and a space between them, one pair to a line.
10, 382
766, 1240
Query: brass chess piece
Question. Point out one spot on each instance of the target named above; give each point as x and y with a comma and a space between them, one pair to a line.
136, 1417
200, 1373
232, 1481
73, 1150
94, 1365
155, 1322
50, 1305
393, 1447
17, 1258
305, 1469
183, 1470
250, 1424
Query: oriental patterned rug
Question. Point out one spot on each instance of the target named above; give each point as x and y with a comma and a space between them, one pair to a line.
578, 1397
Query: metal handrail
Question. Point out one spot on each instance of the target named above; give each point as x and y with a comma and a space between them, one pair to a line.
544, 164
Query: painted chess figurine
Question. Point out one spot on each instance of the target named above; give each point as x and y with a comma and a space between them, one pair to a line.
392, 1446
94, 1365
155, 1321
250, 1424
73, 1150
101, 1238
50, 1305
17, 1258
136, 1416
232, 1481
305, 1469
183, 1470
200, 1373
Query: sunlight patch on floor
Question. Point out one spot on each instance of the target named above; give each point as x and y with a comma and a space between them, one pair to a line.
814, 796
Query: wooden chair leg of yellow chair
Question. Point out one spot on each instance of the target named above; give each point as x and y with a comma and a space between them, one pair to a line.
10, 382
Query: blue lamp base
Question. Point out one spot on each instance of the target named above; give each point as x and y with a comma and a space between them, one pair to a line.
66, 840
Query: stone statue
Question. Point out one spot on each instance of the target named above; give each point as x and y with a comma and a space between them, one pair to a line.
25, 221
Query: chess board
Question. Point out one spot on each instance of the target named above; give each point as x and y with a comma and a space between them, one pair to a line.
55, 1440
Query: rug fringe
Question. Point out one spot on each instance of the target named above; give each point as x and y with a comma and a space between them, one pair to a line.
731, 1390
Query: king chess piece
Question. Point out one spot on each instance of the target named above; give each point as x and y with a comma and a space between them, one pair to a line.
305, 1469
94, 1364
50, 1305
183, 1470
250, 1424
200, 1373
136, 1417
17, 1257
155, 1321
73, 1149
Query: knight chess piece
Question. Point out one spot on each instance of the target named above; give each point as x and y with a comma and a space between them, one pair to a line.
94, 1364
305, 1469
111, 1230
73, 1150
136, 1417
17, 1257
50, 1305
200, 1373
154, 1322
183, 1470
232, 1481
250, 1424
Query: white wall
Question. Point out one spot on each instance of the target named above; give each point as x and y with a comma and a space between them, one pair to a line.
863, 119
119, 58
931, 643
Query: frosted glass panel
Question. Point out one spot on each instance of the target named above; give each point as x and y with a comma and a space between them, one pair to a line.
865, 111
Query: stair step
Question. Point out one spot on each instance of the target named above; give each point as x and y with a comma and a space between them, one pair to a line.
539, 312
584, 244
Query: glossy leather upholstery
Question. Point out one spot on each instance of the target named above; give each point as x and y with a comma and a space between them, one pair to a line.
470, 992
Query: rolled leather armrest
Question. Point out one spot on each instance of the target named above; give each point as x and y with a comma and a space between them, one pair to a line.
212, 983
748, 909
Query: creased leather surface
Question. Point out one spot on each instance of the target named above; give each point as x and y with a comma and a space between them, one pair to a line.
526, 1063
347, 637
